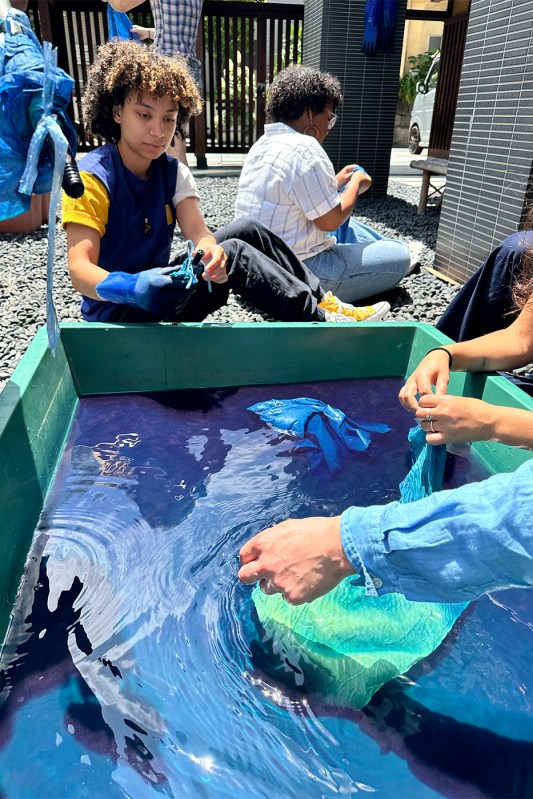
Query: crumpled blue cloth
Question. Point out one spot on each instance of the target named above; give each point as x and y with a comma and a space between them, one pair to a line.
380, 23
326, 432
22, 84
119, 25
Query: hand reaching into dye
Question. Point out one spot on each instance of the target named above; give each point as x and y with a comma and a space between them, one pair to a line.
214, 261
457, 418
299, 558
433, 370
152, 290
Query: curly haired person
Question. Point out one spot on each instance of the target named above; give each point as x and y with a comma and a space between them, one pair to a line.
288, 183
119, 233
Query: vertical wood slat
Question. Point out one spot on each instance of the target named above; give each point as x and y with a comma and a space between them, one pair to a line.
452, 51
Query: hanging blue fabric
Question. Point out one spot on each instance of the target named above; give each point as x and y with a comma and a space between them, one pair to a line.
47, 129
373, 11
380, 24
388, 26
324, 431
119, 25
22, 78
34, 95
427, 471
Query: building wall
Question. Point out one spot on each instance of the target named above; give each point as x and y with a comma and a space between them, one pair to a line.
491, 157
333, 32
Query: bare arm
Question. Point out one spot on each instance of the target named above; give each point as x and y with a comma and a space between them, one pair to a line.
503, 349
358, 183
124, 5
83, 249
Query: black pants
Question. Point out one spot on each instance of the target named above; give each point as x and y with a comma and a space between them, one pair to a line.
262, 269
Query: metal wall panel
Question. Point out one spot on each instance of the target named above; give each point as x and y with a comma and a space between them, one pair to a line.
333, 31
492, 145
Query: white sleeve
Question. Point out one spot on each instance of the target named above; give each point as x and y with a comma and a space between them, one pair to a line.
185, 185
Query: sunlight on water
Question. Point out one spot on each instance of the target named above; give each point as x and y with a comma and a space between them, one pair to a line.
136, 667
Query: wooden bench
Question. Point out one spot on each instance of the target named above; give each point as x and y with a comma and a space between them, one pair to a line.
429, 166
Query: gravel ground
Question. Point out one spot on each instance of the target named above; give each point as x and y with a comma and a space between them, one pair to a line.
419, 297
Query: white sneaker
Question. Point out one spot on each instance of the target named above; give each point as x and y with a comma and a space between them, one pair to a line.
337, 311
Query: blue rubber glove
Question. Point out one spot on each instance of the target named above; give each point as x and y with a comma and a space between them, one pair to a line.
153, 290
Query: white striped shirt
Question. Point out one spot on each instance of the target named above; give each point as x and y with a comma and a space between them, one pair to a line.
286, 182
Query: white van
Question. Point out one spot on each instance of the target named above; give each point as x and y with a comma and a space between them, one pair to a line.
422, 113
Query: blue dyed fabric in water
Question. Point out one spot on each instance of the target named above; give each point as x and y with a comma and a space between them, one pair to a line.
346, 645
427, 472
325, 432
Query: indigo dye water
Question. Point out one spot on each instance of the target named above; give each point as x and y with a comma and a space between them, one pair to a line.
135, 666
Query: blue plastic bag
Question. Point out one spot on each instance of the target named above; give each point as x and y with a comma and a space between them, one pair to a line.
119, 25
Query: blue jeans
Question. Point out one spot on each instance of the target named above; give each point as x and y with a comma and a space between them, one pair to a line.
364, 265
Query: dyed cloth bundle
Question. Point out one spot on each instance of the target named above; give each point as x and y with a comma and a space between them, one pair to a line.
346, 645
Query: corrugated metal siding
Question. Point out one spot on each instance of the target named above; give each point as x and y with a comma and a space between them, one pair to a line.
333, 31
492, 145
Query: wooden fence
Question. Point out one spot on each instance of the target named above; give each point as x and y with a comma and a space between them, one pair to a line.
241, 47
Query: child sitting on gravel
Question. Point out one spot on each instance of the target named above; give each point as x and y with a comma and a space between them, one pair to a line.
119, 232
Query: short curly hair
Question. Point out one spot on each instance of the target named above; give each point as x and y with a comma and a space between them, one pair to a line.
297, 88
126, 67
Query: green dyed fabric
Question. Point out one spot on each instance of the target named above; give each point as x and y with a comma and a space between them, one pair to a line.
346, 645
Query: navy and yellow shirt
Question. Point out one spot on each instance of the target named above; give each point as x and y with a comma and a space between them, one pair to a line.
117, 204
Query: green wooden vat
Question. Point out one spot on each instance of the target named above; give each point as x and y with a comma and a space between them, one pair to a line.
39, 402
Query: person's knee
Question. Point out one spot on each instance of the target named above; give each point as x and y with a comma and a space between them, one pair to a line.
244, 228
388, 256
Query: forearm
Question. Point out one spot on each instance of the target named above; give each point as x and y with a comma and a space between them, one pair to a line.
503, 349
124, 5
333, 219
450, 547
85, 277
513, 426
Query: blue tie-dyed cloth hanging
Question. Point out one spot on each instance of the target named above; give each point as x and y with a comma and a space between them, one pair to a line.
380, 24
346, 645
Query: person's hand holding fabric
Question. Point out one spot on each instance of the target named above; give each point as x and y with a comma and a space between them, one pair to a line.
457, 418
433, 370
152, 290
214, 261
143, 33
302, 559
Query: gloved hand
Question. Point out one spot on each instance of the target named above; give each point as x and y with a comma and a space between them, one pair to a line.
153, 290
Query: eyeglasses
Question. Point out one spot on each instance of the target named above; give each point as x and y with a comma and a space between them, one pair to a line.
331, 120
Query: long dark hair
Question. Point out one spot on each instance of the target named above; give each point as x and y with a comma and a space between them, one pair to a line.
523, 286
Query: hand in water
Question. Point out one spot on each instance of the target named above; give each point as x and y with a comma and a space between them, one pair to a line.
299, 558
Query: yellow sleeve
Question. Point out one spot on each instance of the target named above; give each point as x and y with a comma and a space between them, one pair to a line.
91, 209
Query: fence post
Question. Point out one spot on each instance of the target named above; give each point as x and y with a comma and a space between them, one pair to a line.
198, 123
45, 23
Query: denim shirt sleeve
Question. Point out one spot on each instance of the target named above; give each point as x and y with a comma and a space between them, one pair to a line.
450, 547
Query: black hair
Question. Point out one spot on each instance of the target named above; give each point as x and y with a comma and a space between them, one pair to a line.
296, 89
